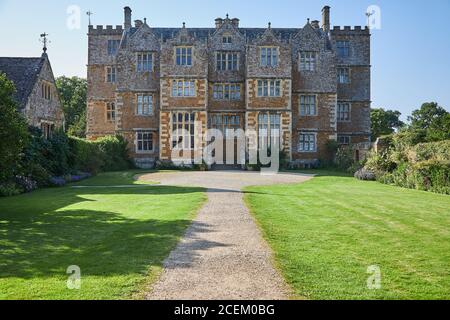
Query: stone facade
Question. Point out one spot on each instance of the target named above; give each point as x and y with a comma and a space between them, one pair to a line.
36, 93
315, 88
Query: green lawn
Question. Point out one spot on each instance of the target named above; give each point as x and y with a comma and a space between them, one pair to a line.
119, 237
326, 232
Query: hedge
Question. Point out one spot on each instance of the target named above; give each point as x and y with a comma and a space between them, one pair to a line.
425, 166
63, 159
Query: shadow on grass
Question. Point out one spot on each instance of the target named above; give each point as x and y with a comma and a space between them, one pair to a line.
39, 236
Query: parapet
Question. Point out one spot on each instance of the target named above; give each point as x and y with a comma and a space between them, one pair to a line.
347, 30
105, 30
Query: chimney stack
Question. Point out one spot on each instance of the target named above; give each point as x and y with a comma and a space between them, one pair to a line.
219, 22
326, 19
127, 21
138, 23
315, 24
235, 22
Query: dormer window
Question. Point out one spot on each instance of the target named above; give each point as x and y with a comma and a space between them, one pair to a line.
183, 56
269, 56
307, 61
227, 39
144, 62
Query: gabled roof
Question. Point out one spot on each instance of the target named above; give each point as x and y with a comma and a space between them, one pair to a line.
203, 33
23, 72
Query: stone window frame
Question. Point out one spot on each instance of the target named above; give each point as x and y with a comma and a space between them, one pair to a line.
113, 46
308, 64
175, 88
269, 121
149, 105
227, 38
309, 134
110, 112
146, 133
347, 140
344, 50
110, 76
223, 57
140, 61
316, 105
178, 57
268, 85
46, 90
339, 112
220, 90
272, 56
345, 77
47, 128
178, 134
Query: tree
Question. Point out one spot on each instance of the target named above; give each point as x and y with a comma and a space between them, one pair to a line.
73, 93
433, 119
384, 122
13, 132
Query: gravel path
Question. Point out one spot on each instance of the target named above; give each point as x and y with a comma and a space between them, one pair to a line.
223, 255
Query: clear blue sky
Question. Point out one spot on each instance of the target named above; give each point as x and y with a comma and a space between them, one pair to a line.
410, 54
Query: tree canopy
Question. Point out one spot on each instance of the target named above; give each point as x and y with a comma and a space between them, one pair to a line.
73, 93
433, 119
384, 122
13, 133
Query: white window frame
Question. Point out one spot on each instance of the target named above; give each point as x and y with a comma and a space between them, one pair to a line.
308, 105
140, 136
269, 56
227, 91
144, 105
111, 112
269, 122
227, 61
111, 74
184, 88
344, 112
183, 56
269, 88
308, 61
343, 75
305, 141
144, 65
183, 131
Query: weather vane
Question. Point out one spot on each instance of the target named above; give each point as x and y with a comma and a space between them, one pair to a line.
368, 15
89, 14
45, 40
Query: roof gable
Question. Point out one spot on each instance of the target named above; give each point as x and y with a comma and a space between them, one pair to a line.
24, 73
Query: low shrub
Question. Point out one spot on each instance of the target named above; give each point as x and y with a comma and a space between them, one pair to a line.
27, 184
9, 189
364, 174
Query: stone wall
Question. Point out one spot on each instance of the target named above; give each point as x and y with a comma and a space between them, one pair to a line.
247, 43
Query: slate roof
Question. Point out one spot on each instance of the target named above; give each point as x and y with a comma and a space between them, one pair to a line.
203, 33
23, 72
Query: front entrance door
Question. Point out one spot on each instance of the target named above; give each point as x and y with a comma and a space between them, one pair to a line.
224, 122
